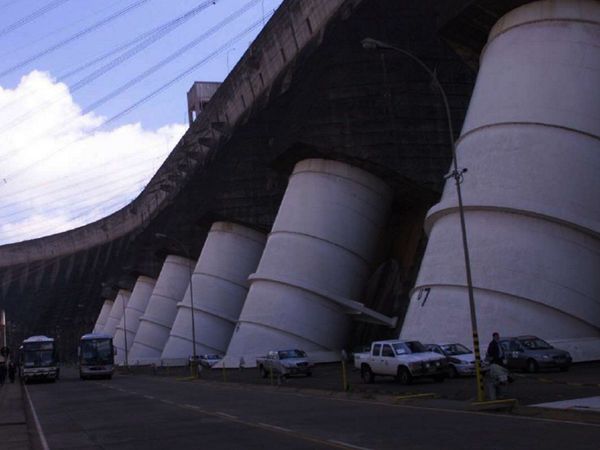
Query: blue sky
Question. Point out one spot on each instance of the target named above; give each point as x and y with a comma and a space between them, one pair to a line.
74, 16
63, 161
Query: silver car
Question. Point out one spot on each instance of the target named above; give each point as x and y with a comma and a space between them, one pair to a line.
530, 353
461, 360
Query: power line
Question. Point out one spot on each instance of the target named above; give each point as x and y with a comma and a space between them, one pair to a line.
44, 37
70, 187
146, 98
74, 37
149, 38
184, 73
31, 17
169, 58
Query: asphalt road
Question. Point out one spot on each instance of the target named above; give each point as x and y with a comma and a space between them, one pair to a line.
146, 412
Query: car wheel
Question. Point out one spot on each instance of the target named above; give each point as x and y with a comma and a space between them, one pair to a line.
404, 376
564, 368
82, 376
309, 374
452, 372
263, 372
367, 374
532, 366
439, 378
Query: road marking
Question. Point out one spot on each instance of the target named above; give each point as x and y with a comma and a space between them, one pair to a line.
38, 426
149, 397
345, 444
262, 426
275, 427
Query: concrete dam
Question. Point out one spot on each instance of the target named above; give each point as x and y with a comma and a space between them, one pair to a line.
308, 205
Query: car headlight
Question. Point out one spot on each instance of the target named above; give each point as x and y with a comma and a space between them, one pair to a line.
546, 356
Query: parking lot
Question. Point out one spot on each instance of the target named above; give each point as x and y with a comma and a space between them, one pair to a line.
582, 380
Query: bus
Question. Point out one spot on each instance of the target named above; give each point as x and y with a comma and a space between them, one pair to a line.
96, 356
38, 359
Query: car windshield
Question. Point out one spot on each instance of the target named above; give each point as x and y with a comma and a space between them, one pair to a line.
405, 348
285, 354
535, 344
211, 357
455, 349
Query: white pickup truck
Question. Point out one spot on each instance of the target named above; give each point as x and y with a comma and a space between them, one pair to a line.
404, 360
284, 363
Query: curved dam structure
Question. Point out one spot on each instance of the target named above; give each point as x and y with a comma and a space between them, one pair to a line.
315, 263
531, 143
103, 316
130, 319
160, 313
116, 312
230, 254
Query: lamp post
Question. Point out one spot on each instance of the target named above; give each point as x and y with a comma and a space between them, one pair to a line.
457, 174
125, 336
187, 254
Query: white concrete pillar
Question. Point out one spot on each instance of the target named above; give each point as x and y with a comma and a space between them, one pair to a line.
130, 318
230, 254
116, 312
531, 143
317, 256
157, 321
103, 316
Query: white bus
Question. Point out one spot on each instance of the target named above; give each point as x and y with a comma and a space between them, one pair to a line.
38, 359
96, 356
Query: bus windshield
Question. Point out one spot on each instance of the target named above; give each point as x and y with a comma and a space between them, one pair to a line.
96, 351
39, 354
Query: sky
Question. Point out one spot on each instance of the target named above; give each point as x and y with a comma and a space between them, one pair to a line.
93, 98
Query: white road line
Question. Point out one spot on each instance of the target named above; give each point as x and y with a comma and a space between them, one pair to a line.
345, 444
275, 427
38, 426
449, 411
229, 416
186, 405
149, 397
168, 402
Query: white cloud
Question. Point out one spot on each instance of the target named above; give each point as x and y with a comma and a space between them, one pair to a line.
56, 172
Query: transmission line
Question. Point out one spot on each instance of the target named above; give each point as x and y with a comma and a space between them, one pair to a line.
74, 37
31, 17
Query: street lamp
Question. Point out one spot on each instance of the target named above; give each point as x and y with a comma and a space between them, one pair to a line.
125, 335
457, 174
187, 254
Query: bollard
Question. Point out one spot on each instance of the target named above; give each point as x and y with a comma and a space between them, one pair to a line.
345, 385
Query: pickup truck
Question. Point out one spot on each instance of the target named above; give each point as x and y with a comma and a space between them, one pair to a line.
404, 360
284, 363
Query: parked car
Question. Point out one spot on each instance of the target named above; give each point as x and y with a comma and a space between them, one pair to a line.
461, 360
209, 360
284, 363
530, 353
404, 360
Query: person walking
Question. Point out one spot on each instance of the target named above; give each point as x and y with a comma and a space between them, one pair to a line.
11, 371
2, 372
497, 377
495, 353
